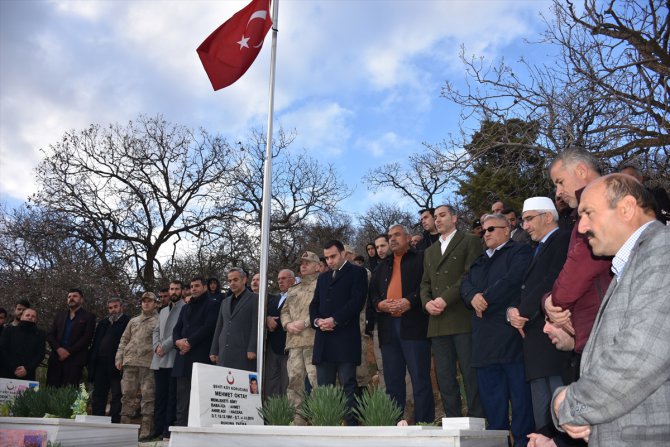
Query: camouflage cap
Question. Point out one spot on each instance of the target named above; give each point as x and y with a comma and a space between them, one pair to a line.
310, 257
149, 295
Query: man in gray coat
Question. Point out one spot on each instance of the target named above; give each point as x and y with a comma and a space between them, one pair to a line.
236, 333
623, 395
165, 411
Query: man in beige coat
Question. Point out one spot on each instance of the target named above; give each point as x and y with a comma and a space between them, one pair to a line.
300, 334
133, 358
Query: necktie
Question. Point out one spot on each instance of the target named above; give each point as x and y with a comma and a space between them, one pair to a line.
334, 273
537, 249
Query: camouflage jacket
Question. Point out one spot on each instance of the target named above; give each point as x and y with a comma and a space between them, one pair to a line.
296, 308
136, 346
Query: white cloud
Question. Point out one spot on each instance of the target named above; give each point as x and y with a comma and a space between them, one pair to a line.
323, 127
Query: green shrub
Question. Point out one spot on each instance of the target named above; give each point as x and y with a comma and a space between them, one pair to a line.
277, 410
376, 408
325, 406
56, 402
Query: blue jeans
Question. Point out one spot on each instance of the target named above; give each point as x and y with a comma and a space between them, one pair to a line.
414, 355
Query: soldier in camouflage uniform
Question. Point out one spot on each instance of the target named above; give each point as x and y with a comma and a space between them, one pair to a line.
133, 358
300, 334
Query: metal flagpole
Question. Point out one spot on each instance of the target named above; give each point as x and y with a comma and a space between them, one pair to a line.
267, 193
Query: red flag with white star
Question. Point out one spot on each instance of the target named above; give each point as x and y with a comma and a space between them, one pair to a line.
231, 49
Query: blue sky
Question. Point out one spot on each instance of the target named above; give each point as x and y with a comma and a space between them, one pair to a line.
358, 80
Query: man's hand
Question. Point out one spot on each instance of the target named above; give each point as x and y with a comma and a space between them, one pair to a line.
20, 372
62, 353
183, 345
557, 315
295, 327
251, 356
436, 307
326, 324
479, 304
214, 358
159, 351
271, 323
394, 307
516, 320
537, 440
119, 366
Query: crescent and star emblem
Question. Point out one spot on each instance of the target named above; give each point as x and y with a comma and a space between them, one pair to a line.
230, 378
244, 42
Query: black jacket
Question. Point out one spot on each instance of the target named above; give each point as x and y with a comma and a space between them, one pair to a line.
276, 338
115, 332
196, 323
414, 323
22, 345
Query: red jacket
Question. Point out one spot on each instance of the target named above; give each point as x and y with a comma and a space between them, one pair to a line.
581, 284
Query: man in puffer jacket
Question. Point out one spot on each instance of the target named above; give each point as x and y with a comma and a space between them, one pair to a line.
133, 358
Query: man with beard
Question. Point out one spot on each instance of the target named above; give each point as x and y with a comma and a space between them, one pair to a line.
22, 347
69, 337
101, 369
192, 337
163, 361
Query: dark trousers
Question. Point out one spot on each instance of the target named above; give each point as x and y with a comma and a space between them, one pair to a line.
183, 400
542, 389
63, 373
413, 355
328, 372
107, 378
449, 350
499, 385
276, 374
165, 411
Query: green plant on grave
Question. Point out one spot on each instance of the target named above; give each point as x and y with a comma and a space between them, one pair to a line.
79, 405
376, 408
325, 406
54, 402
277, 410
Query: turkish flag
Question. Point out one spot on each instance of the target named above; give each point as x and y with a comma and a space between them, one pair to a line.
231, 49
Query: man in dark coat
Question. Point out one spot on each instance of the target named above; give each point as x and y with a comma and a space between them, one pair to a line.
430, 233
192, 337
101, 369
543, 364
69, 337
334, 313
236, 334
489, 289
22, 347
394, 292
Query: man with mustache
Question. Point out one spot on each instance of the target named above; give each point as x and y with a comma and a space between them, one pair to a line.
69, 337
622, 397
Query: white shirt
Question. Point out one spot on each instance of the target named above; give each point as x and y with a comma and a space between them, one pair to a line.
445, 239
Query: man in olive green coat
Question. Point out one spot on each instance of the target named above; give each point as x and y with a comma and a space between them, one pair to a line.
449, 326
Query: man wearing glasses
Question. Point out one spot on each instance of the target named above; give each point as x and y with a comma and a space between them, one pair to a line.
491, 286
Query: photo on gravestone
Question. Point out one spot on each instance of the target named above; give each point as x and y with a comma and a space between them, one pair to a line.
225, 396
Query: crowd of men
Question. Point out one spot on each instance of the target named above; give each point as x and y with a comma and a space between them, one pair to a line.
559, 313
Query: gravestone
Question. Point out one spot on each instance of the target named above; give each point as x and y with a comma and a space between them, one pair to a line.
10, 388
222, 395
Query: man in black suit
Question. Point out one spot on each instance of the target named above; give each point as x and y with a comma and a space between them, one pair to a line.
394, 292
543, 364
276, 358
334, 312
69, 337
192, 337
101, 369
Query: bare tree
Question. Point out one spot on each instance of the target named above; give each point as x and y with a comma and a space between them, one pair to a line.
607, 89
421, 180
138, 187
